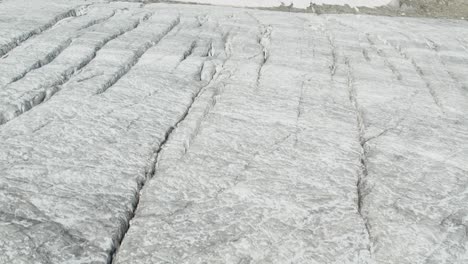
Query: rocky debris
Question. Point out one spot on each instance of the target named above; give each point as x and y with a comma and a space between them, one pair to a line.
454, 9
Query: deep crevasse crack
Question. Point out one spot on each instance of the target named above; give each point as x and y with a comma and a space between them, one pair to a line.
150, 172
264, 39
77, 11
153, 162
135, 59
363, 172
26, 103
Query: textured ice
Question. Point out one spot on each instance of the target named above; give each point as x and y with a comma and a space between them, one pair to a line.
165, 133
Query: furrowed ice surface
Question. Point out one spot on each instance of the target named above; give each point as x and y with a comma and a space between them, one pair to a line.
35, 86
162, 133
238, 191
22, 19
414, 135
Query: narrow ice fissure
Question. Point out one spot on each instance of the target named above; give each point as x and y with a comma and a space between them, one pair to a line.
35, 99
97, 49
363, 172
52, 55
152, 167
6, 48
333, 66
263, 39
299, 111
418, 70
384, 57
436, 48
156, 155
137, 57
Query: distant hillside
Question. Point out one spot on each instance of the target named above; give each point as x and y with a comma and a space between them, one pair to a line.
457, 9
437, 8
